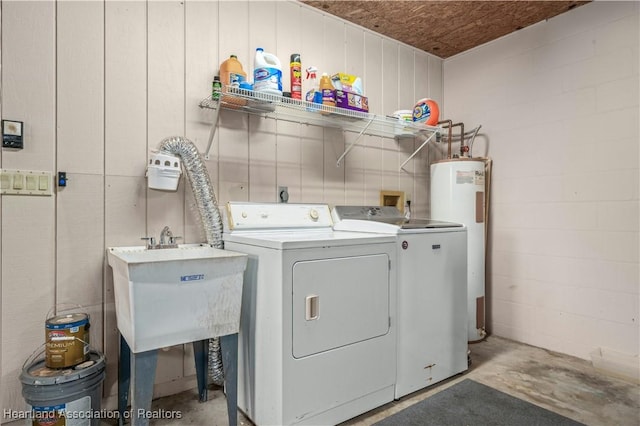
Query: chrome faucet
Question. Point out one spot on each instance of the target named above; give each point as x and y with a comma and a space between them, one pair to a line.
166, 233
167, 240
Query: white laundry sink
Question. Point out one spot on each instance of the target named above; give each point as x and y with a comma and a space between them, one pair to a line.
171, 296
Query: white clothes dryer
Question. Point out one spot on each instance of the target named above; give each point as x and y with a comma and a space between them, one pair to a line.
317, 330
432, 292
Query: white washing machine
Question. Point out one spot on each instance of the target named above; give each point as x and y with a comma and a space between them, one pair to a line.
432, 292
317, 330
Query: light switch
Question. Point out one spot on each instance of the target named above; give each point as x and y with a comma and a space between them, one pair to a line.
5, 181
32, 182
18, 181
43, 183
26, 182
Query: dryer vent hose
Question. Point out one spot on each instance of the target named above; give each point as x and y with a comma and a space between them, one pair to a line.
205, 197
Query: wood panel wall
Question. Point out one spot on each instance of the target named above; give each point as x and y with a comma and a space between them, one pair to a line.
100, 83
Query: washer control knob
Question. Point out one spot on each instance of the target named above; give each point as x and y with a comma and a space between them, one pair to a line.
244, 215
314, 215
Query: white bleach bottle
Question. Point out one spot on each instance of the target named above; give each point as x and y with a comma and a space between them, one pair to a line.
267, 73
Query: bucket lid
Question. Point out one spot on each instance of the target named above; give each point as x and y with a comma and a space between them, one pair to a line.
67, 321
37, 373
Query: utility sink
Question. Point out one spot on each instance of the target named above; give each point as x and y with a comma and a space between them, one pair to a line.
170, 296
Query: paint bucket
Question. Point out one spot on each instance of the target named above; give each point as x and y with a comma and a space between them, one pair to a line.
58, 397
67, 340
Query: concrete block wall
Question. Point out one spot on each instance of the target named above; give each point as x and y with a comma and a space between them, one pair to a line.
558, 103
100, 83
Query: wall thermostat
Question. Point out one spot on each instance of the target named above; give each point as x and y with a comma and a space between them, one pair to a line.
12, 134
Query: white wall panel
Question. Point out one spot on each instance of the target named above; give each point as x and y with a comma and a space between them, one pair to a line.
27, 268
373, 74
166, 103
262, 133
312, 164
233, 21
128, 75
28, 81
125, 87
28, 291
80, 235
354, 163
166, 117
390, 91
201, 65
312, 138
333, 61
334, 174
288, 144
234, 157
80, 86
262, 160
288, 159
125, 207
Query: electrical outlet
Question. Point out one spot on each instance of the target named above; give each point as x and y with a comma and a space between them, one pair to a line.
283, 194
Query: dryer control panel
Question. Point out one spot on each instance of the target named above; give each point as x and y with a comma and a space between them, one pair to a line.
245, 216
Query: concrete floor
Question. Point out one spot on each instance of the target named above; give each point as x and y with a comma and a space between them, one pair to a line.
560, 383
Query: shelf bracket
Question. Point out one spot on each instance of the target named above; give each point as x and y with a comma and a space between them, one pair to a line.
214, 126
352, 144
417, 150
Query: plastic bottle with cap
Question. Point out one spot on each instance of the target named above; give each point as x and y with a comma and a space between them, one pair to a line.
231, 72
216, 88
267, 73
328, 91
313, 95
232, 75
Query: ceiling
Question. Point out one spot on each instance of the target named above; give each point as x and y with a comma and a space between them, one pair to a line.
444, 28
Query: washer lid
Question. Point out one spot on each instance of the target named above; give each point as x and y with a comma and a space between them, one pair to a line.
298, 239
378, 217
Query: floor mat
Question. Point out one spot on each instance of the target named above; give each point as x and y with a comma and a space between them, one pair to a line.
471, 403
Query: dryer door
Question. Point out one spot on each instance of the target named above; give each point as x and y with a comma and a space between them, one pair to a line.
339, 302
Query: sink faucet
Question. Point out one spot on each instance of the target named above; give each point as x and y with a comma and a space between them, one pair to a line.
167, 240
166, 233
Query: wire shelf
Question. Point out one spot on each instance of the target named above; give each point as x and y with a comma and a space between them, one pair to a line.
303, 112
298, 111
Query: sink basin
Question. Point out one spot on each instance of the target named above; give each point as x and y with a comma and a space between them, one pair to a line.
166, 297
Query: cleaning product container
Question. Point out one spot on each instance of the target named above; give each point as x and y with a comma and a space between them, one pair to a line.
267, 73
295, 67
426, 112
65, 396
404, 116
163, 171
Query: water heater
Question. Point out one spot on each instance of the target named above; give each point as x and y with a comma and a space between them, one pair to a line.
458, 195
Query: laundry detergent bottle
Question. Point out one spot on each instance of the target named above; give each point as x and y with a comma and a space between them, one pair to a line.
267, 73
328, 91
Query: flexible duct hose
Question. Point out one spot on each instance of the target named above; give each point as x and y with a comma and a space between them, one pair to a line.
205, 197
